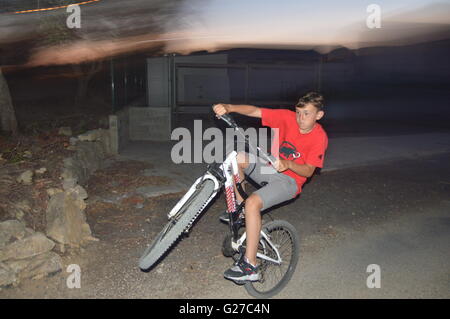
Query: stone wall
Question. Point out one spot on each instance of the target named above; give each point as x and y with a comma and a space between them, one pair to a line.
66, 220
25, 253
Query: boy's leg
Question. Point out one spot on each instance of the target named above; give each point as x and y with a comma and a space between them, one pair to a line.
243, 162
253, 206
279, 188
245, 269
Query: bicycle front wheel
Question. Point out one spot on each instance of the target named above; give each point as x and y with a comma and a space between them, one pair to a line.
176, 226
274, 277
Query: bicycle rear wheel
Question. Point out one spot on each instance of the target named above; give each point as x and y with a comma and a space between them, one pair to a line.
176, 226
275, 277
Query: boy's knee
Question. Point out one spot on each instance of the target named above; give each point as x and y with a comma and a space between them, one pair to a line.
253, 202
242, 160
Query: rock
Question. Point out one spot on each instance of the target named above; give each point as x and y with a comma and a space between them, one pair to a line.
27, 247
27, 154
78, 192
36, 267
71, 173
16, 213
68, 162
19, 209
7, 275
26, 177
70, 178
60, 248
73, 141
53, 191
66, 220
158, 190
90, 136
35, 148
11, 230
65, 130
29, 231
69, 183
91, 238
40, 171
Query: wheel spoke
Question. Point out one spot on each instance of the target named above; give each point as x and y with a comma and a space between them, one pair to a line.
275, 276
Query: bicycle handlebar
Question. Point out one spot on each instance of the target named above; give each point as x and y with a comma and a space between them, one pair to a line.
229, 120
232, 123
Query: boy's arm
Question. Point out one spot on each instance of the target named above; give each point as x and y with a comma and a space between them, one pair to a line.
305, 170
313, 159
248, 110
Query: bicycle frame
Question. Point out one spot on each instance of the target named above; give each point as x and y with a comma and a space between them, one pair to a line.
229, 176
231, 173
191, 190
229, 169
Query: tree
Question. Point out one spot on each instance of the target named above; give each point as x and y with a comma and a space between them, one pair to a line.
7, 113
55, 33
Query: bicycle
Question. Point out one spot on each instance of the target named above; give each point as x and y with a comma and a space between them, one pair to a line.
278, 248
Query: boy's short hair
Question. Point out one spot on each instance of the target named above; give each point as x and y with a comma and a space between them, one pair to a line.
313, 98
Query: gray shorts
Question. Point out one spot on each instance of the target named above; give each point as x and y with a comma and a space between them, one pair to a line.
279, 188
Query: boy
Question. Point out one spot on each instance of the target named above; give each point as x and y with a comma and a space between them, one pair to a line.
302, 145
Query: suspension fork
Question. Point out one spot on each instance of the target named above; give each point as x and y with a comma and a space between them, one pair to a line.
232, 208
231, 173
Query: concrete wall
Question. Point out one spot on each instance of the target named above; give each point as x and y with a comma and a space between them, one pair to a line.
158, 82
138, 124
149, 123
202, 85
119, 130
194, 85
390, 83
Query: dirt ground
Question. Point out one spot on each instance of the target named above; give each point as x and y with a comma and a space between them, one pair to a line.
339, 206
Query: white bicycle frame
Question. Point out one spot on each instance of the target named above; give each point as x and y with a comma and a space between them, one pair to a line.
230, 171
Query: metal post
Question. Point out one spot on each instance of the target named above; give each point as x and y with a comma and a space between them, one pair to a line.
247, 75
173, 89
319, 75
113, 91
125, 80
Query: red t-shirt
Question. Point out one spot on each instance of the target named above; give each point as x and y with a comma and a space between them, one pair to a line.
306, 148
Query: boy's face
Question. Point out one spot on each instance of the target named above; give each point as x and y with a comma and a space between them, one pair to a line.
307, 117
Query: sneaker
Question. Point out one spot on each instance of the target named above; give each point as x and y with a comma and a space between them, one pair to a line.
225, 216
242, 271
